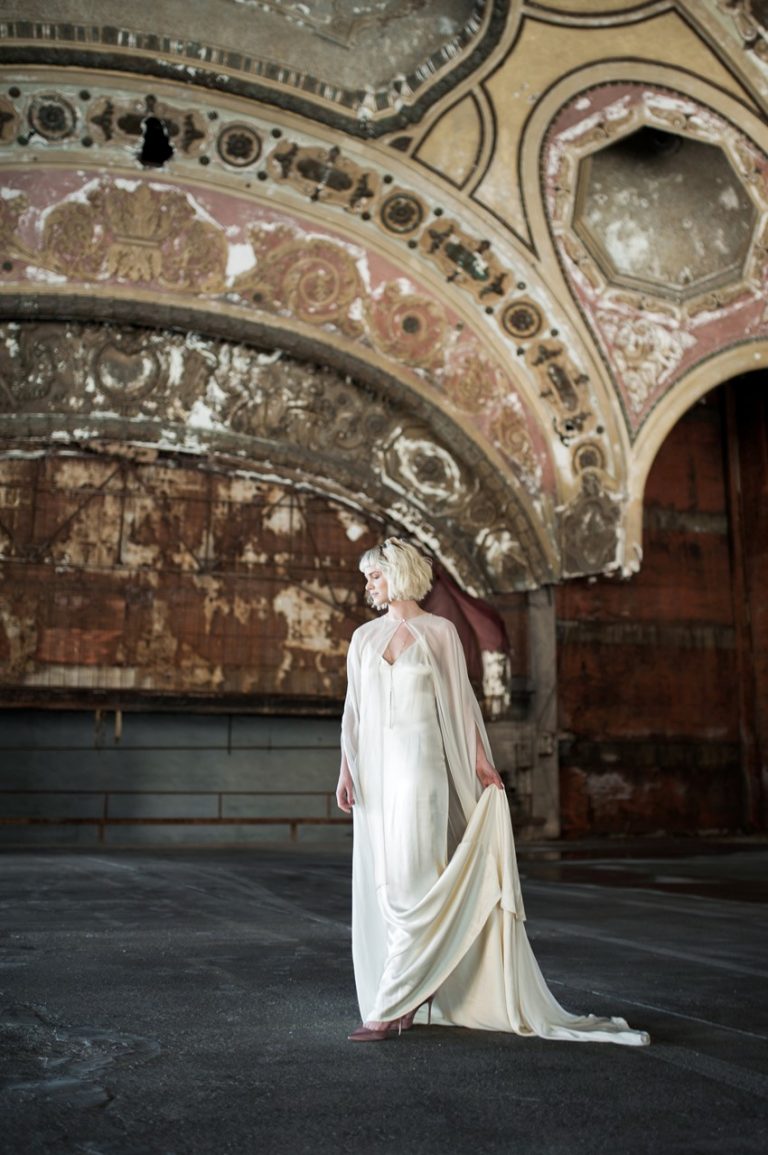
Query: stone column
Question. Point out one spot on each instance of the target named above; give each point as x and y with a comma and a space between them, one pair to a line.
542, 645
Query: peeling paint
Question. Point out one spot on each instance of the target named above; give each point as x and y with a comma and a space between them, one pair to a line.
495, 681
283, 519
354, 528
168, 583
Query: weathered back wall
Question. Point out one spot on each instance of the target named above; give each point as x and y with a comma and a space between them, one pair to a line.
128, 578
254, 314
152, 608
660, 713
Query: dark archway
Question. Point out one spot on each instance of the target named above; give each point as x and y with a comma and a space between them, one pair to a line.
663, 678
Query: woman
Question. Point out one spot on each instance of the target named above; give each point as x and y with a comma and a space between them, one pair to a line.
437, 914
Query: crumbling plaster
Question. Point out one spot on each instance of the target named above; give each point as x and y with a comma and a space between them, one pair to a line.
445, 314
440, 265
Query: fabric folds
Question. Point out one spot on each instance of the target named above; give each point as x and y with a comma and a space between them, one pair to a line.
437, 907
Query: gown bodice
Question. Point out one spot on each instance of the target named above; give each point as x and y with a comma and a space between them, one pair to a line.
407, 689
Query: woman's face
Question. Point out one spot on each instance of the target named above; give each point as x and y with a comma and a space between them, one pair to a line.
376, 588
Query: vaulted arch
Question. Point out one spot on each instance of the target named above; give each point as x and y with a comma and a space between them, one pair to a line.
365, 441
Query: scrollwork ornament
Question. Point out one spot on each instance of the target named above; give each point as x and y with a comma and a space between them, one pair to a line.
12, 206
121, 121
324, 175
645, 352
427, 471
410, 327
589, 529
9, 121
473, 382
70, 241
126, 371
589, 455
504, 556
751, 25
314, 279
483, 510
30, 366
466, 260
511, 435
135, 233
564, 387
305, 406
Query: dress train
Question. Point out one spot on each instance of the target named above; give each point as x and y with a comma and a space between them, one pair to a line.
466, 940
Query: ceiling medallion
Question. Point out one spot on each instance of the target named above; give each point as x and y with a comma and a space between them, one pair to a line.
51, 116
402, 212
239, 145
522, 319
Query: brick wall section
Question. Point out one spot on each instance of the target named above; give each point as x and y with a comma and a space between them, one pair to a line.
747, 416
648, 668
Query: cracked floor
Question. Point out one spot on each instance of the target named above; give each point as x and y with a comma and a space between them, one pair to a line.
187, 1003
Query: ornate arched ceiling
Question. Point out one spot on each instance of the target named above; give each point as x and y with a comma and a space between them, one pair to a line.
267, 415
367, 67
469, 242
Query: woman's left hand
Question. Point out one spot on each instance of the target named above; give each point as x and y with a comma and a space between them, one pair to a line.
489, 777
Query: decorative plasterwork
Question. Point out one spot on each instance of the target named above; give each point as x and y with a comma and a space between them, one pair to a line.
260, 158
650, 340
750, 18
315, 428
239, 57
63, 230
450, 307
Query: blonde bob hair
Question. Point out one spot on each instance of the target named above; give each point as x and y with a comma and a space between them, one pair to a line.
407, 570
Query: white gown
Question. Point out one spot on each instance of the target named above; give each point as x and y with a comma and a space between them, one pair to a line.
436, 902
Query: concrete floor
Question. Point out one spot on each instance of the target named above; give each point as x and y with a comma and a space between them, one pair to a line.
197, 1003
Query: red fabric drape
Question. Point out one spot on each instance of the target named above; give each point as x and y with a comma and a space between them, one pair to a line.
480, 627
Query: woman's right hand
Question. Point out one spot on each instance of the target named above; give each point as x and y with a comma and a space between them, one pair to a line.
345, 795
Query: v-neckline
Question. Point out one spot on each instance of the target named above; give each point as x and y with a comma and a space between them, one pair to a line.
399, 656
413, 641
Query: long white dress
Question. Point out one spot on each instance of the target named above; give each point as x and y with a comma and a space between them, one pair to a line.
436, 902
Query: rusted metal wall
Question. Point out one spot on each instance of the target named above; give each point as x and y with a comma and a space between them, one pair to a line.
650, 678
127, 580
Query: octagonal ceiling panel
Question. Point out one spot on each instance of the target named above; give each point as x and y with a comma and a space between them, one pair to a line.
653, 200
664, 213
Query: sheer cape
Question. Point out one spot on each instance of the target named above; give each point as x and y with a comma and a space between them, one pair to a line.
463, 938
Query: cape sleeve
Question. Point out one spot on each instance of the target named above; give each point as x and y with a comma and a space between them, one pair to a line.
350, 720
461, 721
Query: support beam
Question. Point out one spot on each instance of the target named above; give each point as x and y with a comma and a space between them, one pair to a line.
543, 667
